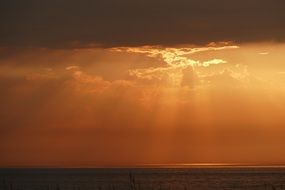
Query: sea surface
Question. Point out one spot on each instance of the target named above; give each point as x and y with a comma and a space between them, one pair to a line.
140, 179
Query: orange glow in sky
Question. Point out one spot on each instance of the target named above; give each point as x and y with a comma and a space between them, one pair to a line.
131, 106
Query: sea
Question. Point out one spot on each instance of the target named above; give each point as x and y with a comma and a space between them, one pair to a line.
196, 178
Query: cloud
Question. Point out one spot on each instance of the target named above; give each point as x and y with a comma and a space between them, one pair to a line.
178, 63
72, 67
213, 62
73, 24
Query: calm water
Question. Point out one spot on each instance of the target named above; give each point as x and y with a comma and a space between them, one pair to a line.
137, 179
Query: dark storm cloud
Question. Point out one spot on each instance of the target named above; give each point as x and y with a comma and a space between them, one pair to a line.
70, 23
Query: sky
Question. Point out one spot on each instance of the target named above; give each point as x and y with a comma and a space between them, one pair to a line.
141, 83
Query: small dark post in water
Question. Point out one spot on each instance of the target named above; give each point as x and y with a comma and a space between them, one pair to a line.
132, 182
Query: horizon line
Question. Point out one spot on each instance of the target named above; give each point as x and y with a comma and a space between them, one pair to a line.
177, 165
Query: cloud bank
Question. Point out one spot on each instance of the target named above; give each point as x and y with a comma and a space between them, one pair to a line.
74, 24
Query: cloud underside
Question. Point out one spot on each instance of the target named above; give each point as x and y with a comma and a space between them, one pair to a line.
65, 24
